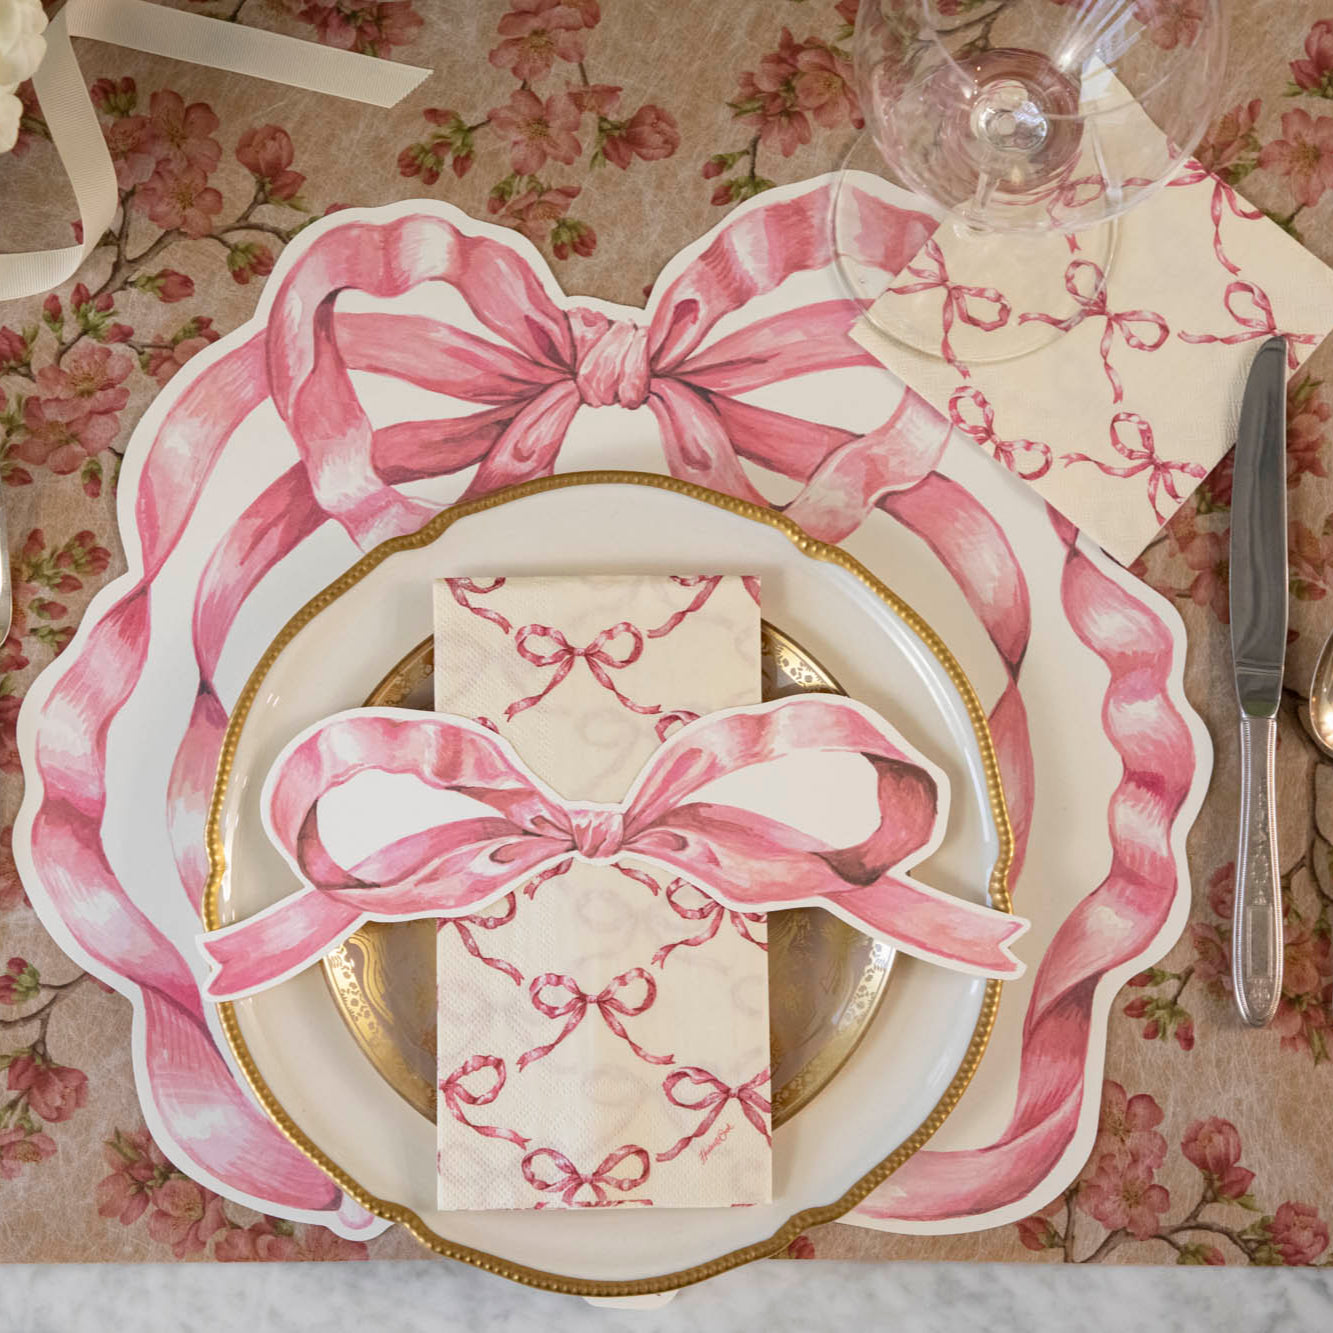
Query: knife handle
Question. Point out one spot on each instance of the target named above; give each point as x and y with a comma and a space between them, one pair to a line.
1256, 923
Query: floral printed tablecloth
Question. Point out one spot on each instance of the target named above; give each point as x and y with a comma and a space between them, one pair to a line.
611, 136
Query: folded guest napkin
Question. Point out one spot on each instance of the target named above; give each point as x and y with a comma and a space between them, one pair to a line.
603, 1034
1118, 419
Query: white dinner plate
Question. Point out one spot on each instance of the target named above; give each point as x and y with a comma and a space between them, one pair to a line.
917, 1056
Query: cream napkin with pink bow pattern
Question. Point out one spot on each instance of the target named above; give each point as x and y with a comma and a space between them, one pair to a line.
1119, 418
607, 1026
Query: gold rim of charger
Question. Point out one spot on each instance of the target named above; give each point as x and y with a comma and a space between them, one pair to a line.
798, 1222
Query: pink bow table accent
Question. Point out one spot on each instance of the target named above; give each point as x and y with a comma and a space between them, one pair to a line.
747, 860
545, 363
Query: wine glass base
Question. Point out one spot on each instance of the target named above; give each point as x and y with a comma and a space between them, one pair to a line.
969, 296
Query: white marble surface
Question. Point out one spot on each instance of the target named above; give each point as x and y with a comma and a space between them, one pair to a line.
813, 1297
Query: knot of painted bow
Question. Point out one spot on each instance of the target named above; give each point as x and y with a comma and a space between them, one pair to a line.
598, 833
611, 359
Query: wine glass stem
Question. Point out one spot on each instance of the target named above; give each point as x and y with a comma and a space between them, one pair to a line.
987, 182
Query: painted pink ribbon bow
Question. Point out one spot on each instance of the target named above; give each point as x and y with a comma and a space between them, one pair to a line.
535, 363
568, 1180
934, 274
600, 655
1260, 323
1142, 459
983, 433
711, 1096
1093, 305
748, 860
457, 1095
608, 1002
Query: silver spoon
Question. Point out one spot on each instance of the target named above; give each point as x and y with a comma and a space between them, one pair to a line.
1321, 699
6, 586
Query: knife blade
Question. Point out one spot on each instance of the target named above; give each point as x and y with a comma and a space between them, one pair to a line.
1258, 578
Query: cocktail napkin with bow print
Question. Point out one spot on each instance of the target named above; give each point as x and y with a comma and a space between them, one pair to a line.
603, 1032
1137, 397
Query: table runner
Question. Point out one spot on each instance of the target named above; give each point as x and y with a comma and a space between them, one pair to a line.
1211, 1143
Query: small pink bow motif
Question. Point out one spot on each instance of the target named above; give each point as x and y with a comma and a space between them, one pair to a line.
755, 1107
1259, 322
600, 656
457, 1095
1194, 173
710, 911
1142, 459
607, 1002
934, 274
748, 860
459, 590
466, 939
1072, 193
568, 1180
1093, 305
983, 432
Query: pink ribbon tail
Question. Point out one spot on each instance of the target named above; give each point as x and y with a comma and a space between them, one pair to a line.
934, 926
304, 926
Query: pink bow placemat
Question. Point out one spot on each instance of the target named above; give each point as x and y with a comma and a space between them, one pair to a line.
1119, 417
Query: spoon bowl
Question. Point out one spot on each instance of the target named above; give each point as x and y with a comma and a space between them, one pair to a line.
1321, 699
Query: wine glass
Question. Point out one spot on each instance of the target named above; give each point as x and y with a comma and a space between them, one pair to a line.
1026, 127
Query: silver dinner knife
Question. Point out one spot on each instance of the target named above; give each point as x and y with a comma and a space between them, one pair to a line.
1258, 647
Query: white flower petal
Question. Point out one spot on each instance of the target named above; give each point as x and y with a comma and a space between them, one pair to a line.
10, 111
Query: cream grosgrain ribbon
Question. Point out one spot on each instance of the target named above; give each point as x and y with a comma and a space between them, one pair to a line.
746, 859
142, 26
